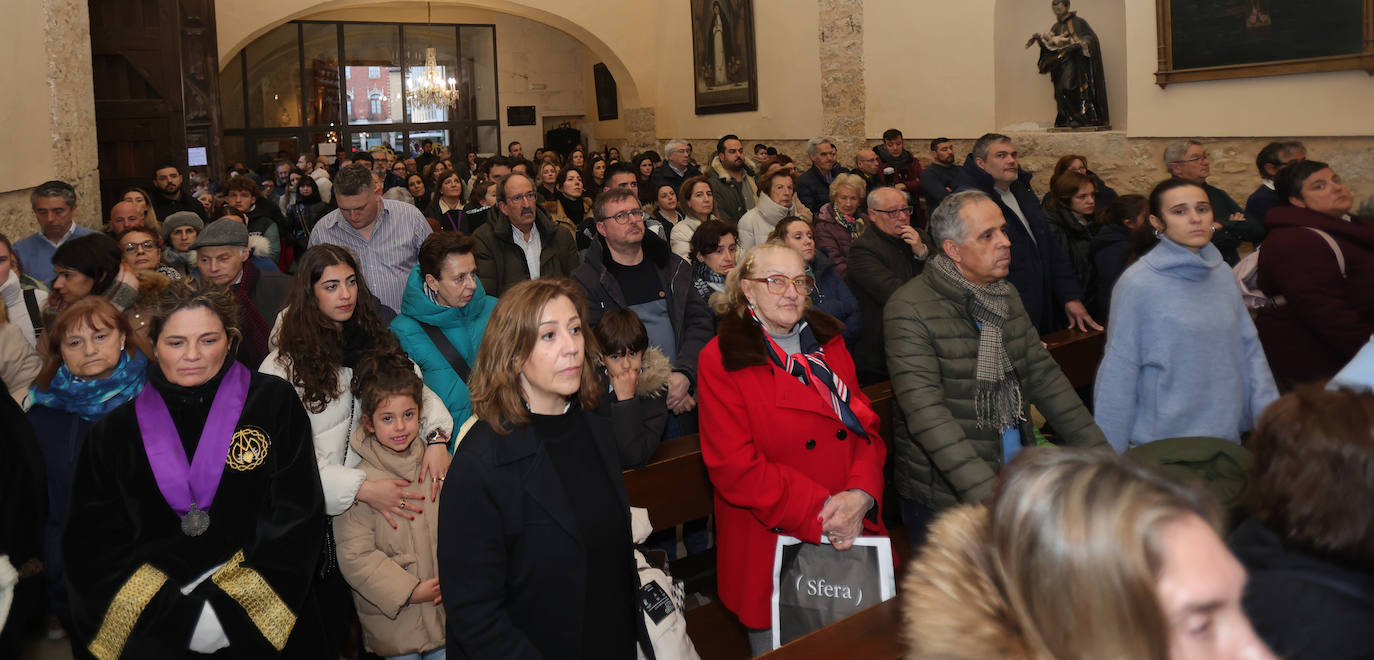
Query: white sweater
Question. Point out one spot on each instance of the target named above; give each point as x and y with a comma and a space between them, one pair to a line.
332, 427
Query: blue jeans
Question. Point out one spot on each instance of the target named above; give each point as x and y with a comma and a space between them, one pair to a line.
436, 654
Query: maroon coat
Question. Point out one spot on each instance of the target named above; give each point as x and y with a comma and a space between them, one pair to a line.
833, 239
775, 451
1327, 318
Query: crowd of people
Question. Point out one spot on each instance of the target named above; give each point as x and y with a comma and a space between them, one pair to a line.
238, 404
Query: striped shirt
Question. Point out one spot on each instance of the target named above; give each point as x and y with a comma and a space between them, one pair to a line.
388, 255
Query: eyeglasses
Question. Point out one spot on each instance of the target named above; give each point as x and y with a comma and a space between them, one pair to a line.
132, 248
1194, 159
777, 284
522, 197
901, 210
626, 217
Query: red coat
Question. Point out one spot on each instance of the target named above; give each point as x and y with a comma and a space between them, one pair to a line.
1328, 318
775, 451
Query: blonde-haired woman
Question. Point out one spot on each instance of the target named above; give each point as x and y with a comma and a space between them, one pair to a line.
789, 440
839, 222
534, 529
1080, 554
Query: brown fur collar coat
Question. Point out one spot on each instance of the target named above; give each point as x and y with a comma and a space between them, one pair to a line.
742, 343
951, 606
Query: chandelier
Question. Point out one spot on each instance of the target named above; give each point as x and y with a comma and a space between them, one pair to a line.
430, 89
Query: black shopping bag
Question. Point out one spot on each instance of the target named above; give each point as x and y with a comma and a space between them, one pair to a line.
817, 585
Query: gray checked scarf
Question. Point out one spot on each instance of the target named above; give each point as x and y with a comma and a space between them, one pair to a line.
997, 398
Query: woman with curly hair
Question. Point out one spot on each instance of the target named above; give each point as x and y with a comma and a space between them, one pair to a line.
330, 320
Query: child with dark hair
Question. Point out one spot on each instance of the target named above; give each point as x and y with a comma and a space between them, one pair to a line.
391, 567
637, 382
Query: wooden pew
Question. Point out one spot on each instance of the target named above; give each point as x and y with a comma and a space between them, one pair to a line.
873, 634
1078, 353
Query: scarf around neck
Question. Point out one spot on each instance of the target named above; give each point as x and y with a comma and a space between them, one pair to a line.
809, 367
900, 162
91, 399
997, 399
707, 281
771, 212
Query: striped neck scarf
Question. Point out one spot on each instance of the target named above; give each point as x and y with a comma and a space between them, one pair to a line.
811, 369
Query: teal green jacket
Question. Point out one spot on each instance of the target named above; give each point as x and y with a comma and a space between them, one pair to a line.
463, 326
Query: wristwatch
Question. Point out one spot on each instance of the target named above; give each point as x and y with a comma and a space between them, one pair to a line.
436, 437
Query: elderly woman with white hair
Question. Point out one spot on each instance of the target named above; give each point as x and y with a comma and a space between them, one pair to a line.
777, 200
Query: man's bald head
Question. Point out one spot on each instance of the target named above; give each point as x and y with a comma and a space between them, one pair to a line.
867, 161
124, 215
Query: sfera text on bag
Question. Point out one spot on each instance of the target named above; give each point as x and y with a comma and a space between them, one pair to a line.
819, 587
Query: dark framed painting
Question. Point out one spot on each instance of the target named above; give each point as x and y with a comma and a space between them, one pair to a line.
724, 66
1219, 39
607, 107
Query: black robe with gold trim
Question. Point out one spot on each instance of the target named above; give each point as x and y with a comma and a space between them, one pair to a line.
127, 559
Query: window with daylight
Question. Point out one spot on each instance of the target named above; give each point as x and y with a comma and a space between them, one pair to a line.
308, 83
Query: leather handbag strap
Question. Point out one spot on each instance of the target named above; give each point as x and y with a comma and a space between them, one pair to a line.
1331, 242
447, 349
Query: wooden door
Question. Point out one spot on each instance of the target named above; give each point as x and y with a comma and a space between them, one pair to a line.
152, 64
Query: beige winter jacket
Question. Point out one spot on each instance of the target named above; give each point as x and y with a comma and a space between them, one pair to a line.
384, 565
19, 362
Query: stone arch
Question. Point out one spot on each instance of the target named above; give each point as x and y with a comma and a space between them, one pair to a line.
584, 20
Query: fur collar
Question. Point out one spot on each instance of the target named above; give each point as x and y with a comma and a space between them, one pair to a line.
951, 607
654, 373
742, 343
750, 186
259, 246
150, 284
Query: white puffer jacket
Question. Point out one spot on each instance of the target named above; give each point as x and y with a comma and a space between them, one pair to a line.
331, 427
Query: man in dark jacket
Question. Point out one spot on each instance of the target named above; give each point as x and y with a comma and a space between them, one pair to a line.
264, 218
966, 366
170, 197
732, 180
520, 241
938, 179
882, 259
1188, 160
222, 256
677, 165
1040, 271
629, 268
813, 186
1272, 158
906, 168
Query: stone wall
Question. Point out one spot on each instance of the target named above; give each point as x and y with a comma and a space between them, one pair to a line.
67, 40
1128, 165
843, 91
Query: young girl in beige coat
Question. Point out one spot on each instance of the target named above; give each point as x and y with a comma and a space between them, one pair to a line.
392, 570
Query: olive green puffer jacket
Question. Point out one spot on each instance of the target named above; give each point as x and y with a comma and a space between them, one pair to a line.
942, 457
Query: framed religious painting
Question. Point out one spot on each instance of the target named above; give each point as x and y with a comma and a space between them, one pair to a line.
724, 67
1219, 39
